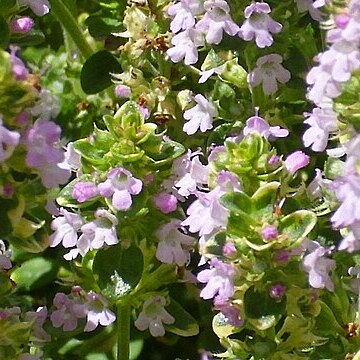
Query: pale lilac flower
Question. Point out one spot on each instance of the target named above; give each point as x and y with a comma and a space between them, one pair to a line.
277, 291
68, 312
84, 190
39, 7
100, 231
165, 202
22, 24
66, 228
196, 175
206, 214
296, 161
5, 263
351, 242
216, 20
173, 246
347, 190
72, 158
8, 141
200, 116
314, 189
269, 71
153, 316
38, 335
183, 13
257, 124
97, 312
120, 184
342, 20
322, 121
230, 312
205, 74
219, 279
185, 46
17, 65
259, 25
269, 232
122, 91
308, 5
318, 266
274, 160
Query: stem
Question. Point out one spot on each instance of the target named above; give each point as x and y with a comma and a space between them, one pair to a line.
70, 25
123, 329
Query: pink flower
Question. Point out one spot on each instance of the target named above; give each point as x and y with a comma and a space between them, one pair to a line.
122, 91
257, 124
183, 13
84, 190
22, 24
166, 203
296, 161
219, 279
269, 71
120, 184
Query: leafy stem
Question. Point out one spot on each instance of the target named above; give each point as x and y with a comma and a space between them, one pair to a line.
67, 20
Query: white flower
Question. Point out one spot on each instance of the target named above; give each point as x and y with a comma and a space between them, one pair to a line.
269, 71
200, 116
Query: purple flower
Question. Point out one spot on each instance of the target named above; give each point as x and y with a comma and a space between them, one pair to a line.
205, 75
18, 67
269, 232
84, 190
185, 46
66, 228
322, 121
183, 13
308, 5
96, 312
173, 247
259, 24
318, 266
122, 91
296, 160
257, 124
153, 316
269, 71
216, 20
21, 24
351, 242
37, 319
230, 312
219, 279
5, 263
167, 203
229, 250
39, 7
68, 312
277, 291
42, 144
200, 116
314, 189
8, 141
120, 184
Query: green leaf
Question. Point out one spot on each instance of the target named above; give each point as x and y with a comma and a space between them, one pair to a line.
101, 26
35, 273
90, 152
237, 202
297, 225
95, 74
6, 5
185, 324
265, 197
32, 38
259, 304
118, 270
4, 32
